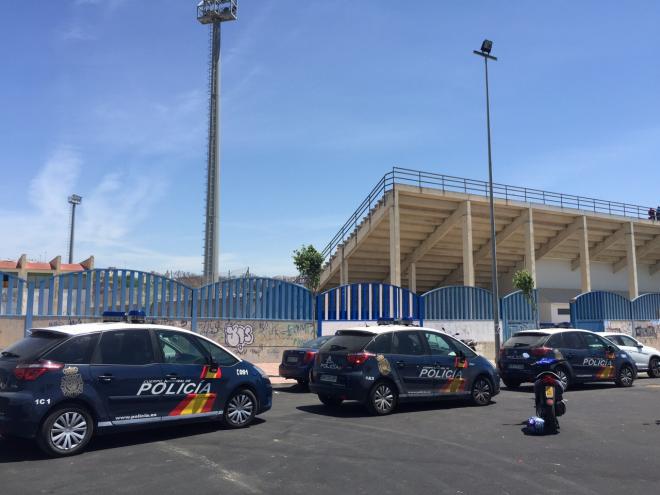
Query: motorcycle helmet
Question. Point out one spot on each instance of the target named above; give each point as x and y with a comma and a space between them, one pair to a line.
535, 425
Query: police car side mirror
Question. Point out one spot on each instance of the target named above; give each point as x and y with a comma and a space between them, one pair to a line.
460, 354
639, 346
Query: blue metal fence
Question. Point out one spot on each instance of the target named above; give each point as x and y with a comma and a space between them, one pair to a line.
255, 299
458, 303
518, 313
590, 310
87, 294
12, 295
646, 307
367, 302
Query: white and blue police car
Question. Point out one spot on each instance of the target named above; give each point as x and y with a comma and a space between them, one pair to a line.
63, 384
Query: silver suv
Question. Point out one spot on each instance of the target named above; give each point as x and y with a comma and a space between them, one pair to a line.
646, 358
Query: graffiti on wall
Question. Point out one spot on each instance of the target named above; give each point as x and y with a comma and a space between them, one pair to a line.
261, 340
647, 329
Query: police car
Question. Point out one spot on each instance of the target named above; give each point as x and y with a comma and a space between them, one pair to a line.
383, 365
574, 355
64, 384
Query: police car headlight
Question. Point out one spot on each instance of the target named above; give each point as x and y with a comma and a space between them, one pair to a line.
261, 372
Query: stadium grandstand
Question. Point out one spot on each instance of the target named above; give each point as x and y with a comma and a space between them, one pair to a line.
423, 230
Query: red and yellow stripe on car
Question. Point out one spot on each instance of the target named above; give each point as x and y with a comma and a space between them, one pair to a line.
453, 386
194, 404
209, 372
605, 373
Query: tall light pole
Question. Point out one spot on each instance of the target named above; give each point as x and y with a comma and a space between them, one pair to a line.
486, 47
74, 200
214, 12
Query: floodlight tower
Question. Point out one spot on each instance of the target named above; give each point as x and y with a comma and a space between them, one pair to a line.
214, 12
74, 200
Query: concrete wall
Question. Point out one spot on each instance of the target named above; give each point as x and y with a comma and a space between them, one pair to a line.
11, 330
480, 331
557, 274
258, 341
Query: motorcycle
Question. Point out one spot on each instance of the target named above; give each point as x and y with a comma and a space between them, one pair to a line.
472, 344
549, 401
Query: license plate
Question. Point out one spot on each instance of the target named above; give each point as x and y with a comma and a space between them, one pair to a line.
292, 359
516, 366
329, 378
549, 392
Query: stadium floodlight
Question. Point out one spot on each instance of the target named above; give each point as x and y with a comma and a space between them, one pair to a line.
214, 12
74, 200
486, 47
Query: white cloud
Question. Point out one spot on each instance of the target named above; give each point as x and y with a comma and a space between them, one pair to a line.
107, 219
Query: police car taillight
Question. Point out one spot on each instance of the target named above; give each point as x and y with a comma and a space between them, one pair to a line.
358, 359
541, 351
309, 356
29, 372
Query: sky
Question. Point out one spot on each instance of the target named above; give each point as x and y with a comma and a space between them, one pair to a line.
108, 99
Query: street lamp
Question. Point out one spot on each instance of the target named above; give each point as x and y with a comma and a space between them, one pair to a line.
486, 47
74, 200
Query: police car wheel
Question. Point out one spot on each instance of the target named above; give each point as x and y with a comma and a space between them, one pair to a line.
240, 409
626, 376
482, 391
563, 376
382, 399
654, 368
66, 431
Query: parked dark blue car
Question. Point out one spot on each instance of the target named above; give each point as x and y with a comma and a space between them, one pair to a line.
384, 365
61, 385
297, 363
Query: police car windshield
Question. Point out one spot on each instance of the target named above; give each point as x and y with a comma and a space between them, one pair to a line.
527, 339
33, 345
347, 341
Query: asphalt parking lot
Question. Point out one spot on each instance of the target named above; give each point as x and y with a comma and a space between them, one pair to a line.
609, 443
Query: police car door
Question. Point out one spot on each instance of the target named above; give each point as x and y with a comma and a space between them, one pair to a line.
122, 364
409, 358
574, 350
596, 365
188, 391
448, 379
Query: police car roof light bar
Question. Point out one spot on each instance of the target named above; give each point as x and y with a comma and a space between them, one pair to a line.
136, 316
113, 316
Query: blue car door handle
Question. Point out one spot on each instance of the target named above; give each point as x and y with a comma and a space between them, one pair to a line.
171, 376
400, 364
107, 378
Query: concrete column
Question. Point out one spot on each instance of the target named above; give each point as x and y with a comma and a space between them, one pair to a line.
412, 277
530, 248
343, 269
631, 257
585, 263
468, 253
395, 241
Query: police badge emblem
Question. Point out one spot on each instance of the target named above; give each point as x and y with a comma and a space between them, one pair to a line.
383, 365
72, 382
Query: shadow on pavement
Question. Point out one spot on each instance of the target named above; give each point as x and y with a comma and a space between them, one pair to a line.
352, 409
20, 450
292, 389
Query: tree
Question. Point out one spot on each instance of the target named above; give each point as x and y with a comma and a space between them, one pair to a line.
309, 263
524, 282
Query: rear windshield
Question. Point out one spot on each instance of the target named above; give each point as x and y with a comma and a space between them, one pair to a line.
32, 346
526, 340
347, 342
316, 343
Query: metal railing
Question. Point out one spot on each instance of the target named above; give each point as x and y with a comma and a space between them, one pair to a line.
449, 183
